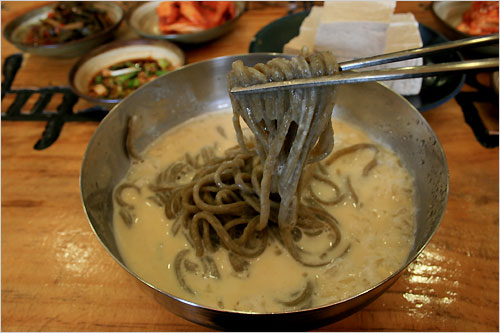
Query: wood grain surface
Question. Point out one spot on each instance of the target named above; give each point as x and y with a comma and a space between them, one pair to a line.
56, 276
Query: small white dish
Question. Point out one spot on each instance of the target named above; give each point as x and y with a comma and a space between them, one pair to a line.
108, 55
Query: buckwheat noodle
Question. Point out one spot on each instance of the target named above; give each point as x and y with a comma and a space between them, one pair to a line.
257, 190
230, 201
291, 127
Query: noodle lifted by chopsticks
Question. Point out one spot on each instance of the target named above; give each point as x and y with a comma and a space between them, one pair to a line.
291, 127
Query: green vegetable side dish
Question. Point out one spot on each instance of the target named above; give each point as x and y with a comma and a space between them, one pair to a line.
117, 81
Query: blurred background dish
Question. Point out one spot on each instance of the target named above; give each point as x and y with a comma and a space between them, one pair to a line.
65, 29
144, 20
435, 90
110, 73
451, 16
494, 81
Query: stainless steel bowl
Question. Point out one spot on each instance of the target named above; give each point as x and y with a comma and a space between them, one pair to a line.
16, 30
200, 88
144, 21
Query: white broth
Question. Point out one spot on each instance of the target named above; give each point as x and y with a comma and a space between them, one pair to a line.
376, 217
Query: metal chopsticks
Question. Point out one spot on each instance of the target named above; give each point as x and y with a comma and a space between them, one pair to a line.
348, 76
419, 52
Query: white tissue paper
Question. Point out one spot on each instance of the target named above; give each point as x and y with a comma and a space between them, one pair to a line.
361, 29
403, 34
354, 29
307, 33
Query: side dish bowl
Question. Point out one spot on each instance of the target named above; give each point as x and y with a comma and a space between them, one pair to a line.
144, 21
16, 30
449, 14
200, 88
110, 54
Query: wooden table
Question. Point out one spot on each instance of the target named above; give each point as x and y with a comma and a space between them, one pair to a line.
56, 276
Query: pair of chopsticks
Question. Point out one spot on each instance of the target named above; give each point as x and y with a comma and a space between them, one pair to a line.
346, 75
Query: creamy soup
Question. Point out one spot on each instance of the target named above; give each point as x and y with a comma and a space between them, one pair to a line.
375, 215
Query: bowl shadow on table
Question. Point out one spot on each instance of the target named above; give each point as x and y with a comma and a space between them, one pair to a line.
182, 95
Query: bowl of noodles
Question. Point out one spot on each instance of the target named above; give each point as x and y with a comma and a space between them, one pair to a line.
279, 211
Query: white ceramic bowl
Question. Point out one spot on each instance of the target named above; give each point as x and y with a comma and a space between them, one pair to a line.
89, 65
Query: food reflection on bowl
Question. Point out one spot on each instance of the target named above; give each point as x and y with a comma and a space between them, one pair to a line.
110, 73
66, 29
145, 21
201, 88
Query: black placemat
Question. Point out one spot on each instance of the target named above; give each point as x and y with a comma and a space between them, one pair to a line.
55, 119
467, 100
